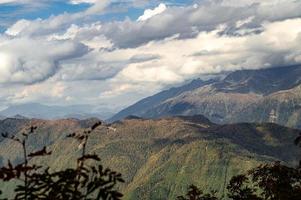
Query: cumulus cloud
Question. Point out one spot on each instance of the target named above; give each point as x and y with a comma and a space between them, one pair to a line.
28, 61
188, 21
149, 13
105, 61
40, 27
54, 24
212, 53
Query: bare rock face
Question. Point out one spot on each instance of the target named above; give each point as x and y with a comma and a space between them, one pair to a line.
283, 107
266, 95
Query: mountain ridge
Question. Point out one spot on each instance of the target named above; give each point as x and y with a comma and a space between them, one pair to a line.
227, 100
41, 111
159, 158
161, 96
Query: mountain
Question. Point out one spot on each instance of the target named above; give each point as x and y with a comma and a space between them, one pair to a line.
159, 158
242, 96
262, 81
40, 111
142, 106
283, 107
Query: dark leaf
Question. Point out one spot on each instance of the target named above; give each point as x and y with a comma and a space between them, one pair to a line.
97, 124
42, 152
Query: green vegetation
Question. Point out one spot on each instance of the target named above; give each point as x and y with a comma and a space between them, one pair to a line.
265, 182
85, 182
160, 158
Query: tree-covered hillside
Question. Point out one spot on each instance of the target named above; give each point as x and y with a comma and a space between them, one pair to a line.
160, 158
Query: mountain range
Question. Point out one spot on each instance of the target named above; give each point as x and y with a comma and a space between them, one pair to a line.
40, 111
158, 158
201, 133
264, 95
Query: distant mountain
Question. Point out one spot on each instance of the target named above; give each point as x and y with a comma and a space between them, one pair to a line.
265, 95
283, 107
19, 117
12, 126
141, 107
40, 111
262, 81
160, 158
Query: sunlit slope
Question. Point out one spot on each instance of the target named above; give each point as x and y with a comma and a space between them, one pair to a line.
160, 158
264, 95
282, 107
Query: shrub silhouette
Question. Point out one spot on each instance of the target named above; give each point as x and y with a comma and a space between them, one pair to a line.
88, 180
267, 182
195, 193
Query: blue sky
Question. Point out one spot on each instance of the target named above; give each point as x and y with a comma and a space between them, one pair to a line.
13, 11
111, 53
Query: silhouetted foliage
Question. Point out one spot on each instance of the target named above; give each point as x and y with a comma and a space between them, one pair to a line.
85, 182
270, 182
195, 193
239, 189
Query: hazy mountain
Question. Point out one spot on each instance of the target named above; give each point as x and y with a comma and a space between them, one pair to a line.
160, 158
262, 81
40, 111
148, 103
242, 96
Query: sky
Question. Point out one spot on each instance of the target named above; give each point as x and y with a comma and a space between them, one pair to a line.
111, 53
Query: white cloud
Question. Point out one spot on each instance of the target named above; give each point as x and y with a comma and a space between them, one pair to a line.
54, 24
243, 22
6, 1
18, 27
250, 2
210, 53
16, 1
75, 58
149, 13
188, 21
39, 1
28, 61
82, 1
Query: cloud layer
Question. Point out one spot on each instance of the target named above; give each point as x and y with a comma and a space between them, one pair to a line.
81, 59
28, 61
